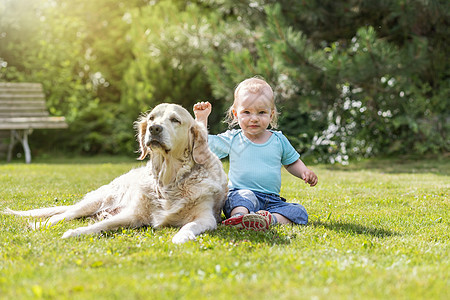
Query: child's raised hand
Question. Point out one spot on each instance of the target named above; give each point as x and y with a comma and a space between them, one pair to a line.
202, 110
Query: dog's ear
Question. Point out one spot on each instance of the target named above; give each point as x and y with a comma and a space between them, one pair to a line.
200, 148
141, 128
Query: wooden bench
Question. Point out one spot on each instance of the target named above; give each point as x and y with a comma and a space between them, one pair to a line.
22, 109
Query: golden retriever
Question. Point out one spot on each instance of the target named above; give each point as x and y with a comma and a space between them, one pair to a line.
183, 184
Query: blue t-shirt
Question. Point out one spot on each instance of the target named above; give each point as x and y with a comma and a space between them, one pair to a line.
256, 167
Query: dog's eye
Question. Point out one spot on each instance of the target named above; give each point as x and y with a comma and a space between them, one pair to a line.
175, 120
151, 118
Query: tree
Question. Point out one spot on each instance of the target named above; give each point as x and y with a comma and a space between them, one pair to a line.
352, 78
170, 43
372, 80
78, 50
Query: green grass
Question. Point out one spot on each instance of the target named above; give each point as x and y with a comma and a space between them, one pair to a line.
378, 230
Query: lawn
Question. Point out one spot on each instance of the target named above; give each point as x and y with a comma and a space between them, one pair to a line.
378, 230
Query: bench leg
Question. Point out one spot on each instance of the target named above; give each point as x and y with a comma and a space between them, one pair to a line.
22, 136
26, 147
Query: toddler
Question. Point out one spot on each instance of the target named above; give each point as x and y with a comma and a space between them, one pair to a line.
256, 155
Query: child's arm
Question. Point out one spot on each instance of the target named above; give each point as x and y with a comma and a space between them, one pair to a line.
299, 170
202, 111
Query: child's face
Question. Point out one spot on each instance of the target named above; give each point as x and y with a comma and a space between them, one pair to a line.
253, 112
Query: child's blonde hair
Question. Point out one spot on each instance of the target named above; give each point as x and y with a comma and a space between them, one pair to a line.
254, 85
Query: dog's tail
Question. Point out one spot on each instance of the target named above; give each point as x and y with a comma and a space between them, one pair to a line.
39, 212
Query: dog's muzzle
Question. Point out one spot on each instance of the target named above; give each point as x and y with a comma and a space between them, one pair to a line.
155, 138
155, 130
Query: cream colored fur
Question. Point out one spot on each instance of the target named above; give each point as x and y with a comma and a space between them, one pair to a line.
182, 185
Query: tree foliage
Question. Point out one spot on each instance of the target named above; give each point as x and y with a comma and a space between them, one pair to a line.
352, 78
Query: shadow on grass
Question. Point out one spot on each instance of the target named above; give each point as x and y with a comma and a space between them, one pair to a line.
59, 159
239, 236
352, 229
230, 236
410, 165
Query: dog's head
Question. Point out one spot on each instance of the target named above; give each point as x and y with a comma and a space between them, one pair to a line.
169, 129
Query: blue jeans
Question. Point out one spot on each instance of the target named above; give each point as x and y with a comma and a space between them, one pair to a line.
255, 201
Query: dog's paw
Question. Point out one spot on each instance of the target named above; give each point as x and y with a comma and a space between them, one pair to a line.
183, 237
71, 233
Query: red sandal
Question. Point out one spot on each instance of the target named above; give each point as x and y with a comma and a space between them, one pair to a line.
256, 222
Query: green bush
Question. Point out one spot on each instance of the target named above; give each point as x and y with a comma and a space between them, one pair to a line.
352, 79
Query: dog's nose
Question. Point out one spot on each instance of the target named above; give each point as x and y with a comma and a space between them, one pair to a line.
155, 129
